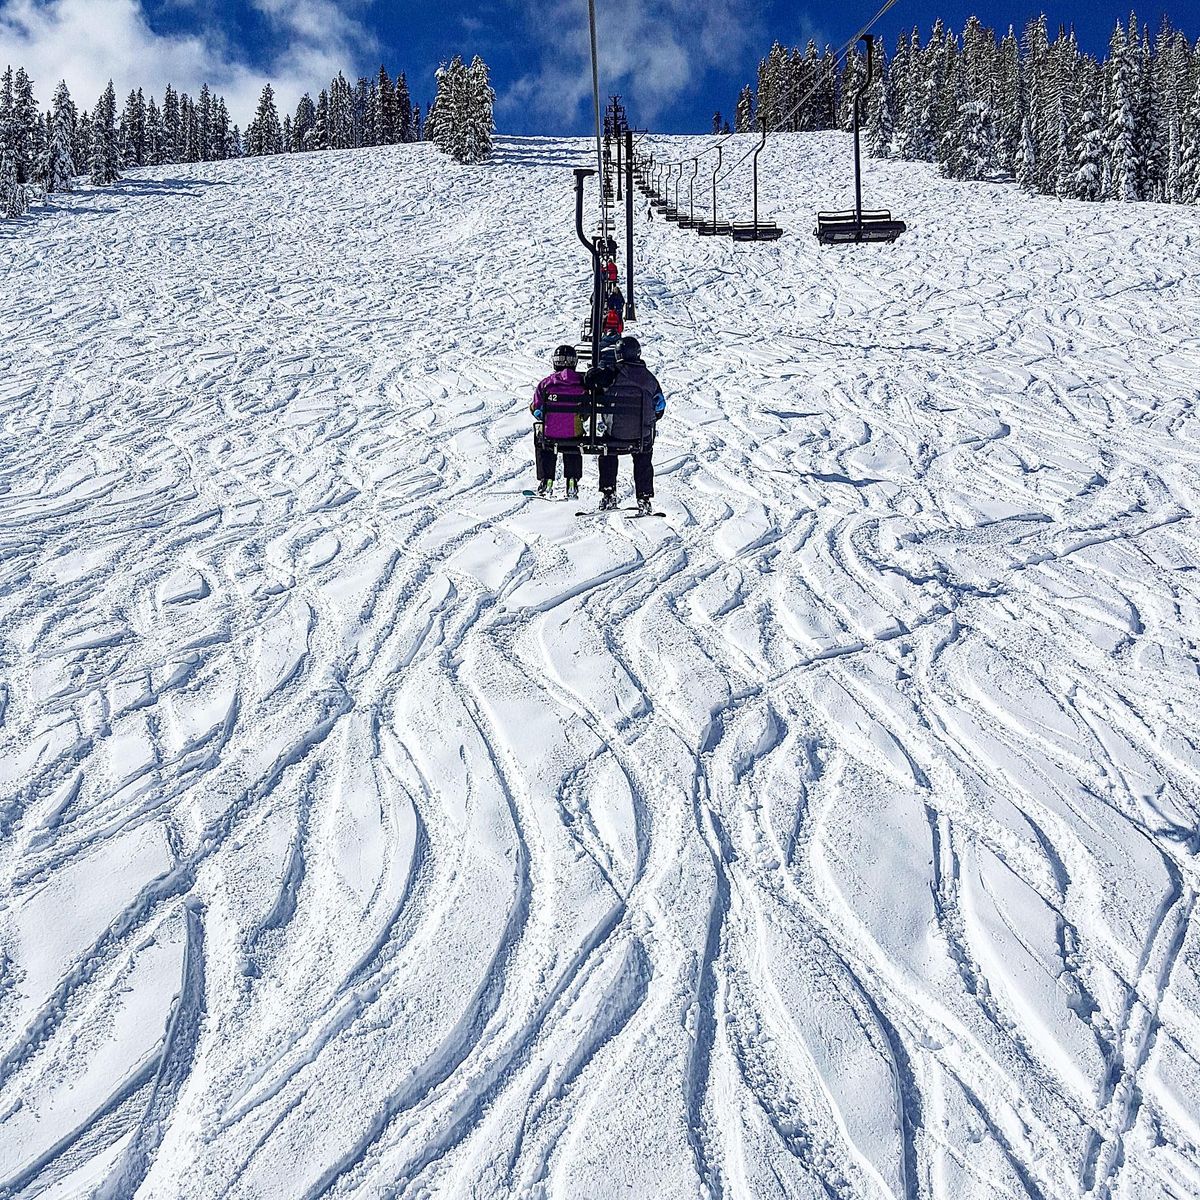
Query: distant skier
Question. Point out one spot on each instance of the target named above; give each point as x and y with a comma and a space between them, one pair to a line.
554, 402
640, 404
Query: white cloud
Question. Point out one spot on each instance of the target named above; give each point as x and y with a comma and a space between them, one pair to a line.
88, 42
649, 50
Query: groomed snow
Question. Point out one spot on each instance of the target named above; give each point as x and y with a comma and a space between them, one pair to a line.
369, 829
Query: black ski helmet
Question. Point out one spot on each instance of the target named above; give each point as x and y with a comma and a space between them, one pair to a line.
564, 357
630, 350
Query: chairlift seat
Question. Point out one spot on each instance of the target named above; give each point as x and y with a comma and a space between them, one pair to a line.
843, 228
714, 228
748, 231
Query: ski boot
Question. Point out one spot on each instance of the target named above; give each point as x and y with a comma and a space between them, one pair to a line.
545, 489
645, 506
608, 499
572, 489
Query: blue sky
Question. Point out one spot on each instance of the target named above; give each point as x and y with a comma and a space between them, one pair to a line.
675, 61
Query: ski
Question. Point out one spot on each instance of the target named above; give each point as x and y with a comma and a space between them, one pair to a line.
631, 513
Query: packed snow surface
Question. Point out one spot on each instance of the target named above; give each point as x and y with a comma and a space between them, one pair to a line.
368, 828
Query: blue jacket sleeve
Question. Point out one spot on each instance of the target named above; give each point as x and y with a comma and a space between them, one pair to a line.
660, 405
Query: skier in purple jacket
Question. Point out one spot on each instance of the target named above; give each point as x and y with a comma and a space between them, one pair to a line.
555, 407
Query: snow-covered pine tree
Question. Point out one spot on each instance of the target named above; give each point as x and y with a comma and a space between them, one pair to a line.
172, 129
373, 120
8, 130
853, 73
81, 150
1121, 130
320, 133
1008, 103
104, 164
881, 129
131, 132
1088, 146
220, 129
13, 198
287, 133
1027, 159
304, 124
57, 167
407, 127
204, 124
480, 112
387, 122
360, 134
190, 128
267, 134
154, 134
340, 115
1189, 148
744, 114
416, 125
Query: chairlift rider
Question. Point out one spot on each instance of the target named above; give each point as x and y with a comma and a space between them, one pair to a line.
640, 404
555, 407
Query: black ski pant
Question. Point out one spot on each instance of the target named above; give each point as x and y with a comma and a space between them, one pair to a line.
546, 458
643, 471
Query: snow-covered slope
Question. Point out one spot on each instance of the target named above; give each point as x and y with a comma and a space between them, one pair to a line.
369, 829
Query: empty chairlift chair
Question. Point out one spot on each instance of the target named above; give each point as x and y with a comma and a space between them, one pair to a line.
690, 221
671, 212
859, 224
756, 230
714, 227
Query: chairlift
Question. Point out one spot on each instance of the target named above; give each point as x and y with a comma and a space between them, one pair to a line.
714, 227
756, 230
858, 225
690, 222
671, 212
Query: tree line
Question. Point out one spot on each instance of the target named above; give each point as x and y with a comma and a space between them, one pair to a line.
41, 154
1058, 121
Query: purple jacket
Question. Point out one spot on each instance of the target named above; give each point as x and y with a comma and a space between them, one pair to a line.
558, 397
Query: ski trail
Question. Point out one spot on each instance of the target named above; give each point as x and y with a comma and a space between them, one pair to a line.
369, 829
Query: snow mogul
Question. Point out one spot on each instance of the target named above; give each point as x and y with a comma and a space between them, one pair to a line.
556, 416
639, 405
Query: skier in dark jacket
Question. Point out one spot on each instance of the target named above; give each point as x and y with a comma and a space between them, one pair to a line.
640, 404
554, 402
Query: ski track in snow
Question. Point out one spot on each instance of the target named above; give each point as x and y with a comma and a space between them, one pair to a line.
370, 829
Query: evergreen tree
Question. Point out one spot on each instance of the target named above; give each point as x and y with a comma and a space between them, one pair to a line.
287, 133
81, 150
408, 115
220, 129
57, 166
744, 115
480, 108
154, 134
172, 130
1189, 149
131, 132
1088, 140
304, 123
266, 134
204, 125
320, 137
387, 123
13, 197
104, 164
1121, 131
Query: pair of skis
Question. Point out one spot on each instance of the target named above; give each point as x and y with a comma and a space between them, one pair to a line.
632, 513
